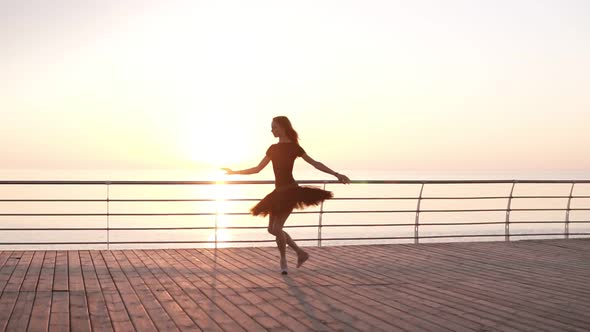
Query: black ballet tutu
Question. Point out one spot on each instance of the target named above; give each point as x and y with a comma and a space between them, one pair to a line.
285, 199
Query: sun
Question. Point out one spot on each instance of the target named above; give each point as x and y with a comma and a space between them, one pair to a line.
213, 142
216, 151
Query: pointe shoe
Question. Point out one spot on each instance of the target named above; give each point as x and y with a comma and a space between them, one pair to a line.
284, 269
301, 258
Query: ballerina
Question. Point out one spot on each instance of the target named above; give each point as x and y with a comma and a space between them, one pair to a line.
288, 195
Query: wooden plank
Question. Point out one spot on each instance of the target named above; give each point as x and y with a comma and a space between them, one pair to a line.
60, 276
89, 275
4, 255
75, 279
116, 309
59, 319
41, 311
32, 277
46, 276
79, 315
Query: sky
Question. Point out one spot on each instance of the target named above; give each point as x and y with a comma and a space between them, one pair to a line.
425, 85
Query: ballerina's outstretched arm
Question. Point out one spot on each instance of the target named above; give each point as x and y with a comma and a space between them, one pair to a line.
318, 165
252, 170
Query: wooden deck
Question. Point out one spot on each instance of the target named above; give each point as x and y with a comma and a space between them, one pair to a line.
539, 285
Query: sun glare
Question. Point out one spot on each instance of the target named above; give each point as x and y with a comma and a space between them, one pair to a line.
221, 233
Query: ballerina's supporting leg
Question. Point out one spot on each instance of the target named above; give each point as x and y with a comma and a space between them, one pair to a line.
275, 227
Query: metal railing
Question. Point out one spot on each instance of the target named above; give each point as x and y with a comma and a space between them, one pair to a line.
418, 223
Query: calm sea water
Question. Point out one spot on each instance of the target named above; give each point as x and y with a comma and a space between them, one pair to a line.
340, 214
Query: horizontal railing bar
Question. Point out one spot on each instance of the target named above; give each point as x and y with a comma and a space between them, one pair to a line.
453, 210
52, 200
126, 200
392, 211
555, 197
544, 222
446, 236
210, 213
144, 242
174, 228
143, 228
430, 198
502, 235
189, 200
139, 242
304, 239
455, 223
53, 214
286, 226
134, 214
108, 182
202, 242
245, 213
502, 197
49, 243
55, 229
209, 242
457, 197
257, 199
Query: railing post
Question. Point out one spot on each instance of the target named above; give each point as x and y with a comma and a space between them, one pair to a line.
108, 183
417, 221
567, 213
216, 220
320, 220
507, 224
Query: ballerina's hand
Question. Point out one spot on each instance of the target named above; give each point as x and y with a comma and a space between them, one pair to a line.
343, 178
228, 171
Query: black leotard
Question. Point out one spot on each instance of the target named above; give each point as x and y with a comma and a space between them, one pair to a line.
283, 157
